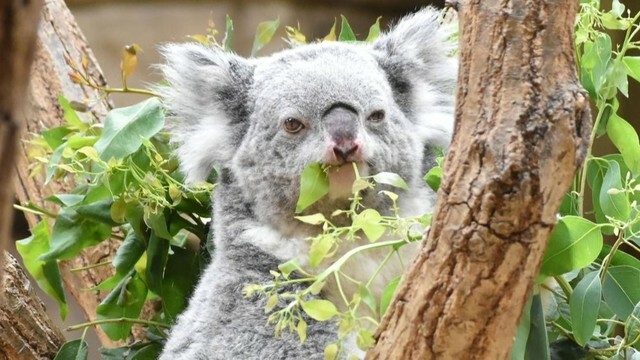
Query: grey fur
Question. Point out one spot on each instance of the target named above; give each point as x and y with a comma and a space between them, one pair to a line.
229, 113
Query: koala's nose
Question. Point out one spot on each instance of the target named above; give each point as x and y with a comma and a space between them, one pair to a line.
346, 151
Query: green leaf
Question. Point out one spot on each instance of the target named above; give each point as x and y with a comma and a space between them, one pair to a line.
99, 211
180, 277
314, 184
331, 352
73, 350
346, 34
331, 36
617, 204
70, 115
125, 301
319, 309
315, 219
610, 21
584, 306
369, 221
124, 128
632, 325
434, 177
387, 295
158, 223
520, 343
365, 339
65, 199
320, 247
390, 179
595, 61
625, 138
46, 273
374, 30
72, 233
55, 136
301, 329
128, 253
575, 243
537, 343
157, 253
367, 297
621, 289
264, 34
54, 160
619, 258
228, 35
287, 268
632, 64
617, 9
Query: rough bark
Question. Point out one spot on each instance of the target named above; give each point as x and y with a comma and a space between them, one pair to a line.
17, 42
522, 122
60, 37
26, 331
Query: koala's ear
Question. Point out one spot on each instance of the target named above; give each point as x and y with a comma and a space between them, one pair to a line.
207, 97
416, 55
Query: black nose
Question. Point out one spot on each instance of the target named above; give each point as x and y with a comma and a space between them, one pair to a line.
344, 151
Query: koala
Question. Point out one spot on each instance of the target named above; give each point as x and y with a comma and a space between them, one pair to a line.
260, 122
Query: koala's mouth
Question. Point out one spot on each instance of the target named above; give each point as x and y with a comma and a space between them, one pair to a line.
341, 178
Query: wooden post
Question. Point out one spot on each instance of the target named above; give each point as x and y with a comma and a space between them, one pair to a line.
522, 123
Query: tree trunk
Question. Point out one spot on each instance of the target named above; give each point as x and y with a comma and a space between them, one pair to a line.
26, 332
522, 126
60, 37
17, 43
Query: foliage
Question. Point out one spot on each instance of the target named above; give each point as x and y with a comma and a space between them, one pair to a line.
587, 294
595, 287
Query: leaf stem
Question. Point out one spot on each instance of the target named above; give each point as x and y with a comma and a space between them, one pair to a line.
92, 266
607, 259
564, 285
117, 320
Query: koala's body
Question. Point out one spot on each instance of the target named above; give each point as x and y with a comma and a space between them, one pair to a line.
261, 121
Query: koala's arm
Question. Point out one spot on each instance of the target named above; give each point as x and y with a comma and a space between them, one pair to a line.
220, 322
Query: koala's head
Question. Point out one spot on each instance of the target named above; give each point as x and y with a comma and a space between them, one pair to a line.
378, 105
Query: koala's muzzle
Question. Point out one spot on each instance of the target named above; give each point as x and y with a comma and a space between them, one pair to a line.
341, 126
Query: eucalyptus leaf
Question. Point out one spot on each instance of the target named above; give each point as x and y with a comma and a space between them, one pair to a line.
621, 289
264, 34
124, 128
46, 273
314, 184
346, 33
157, 253
584, 306
128, 253
615, 205
319, 309
374, 30
71, 233
632, 326
390, 179
180, 276
125, 301
387, 294
575, 242
625, 138
73, 350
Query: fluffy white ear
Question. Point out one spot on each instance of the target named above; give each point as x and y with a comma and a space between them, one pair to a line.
417, 56
206, 96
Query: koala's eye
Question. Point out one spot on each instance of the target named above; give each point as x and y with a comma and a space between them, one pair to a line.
376, 116
293, 125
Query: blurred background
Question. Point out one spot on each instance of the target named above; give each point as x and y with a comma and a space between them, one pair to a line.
110, 25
